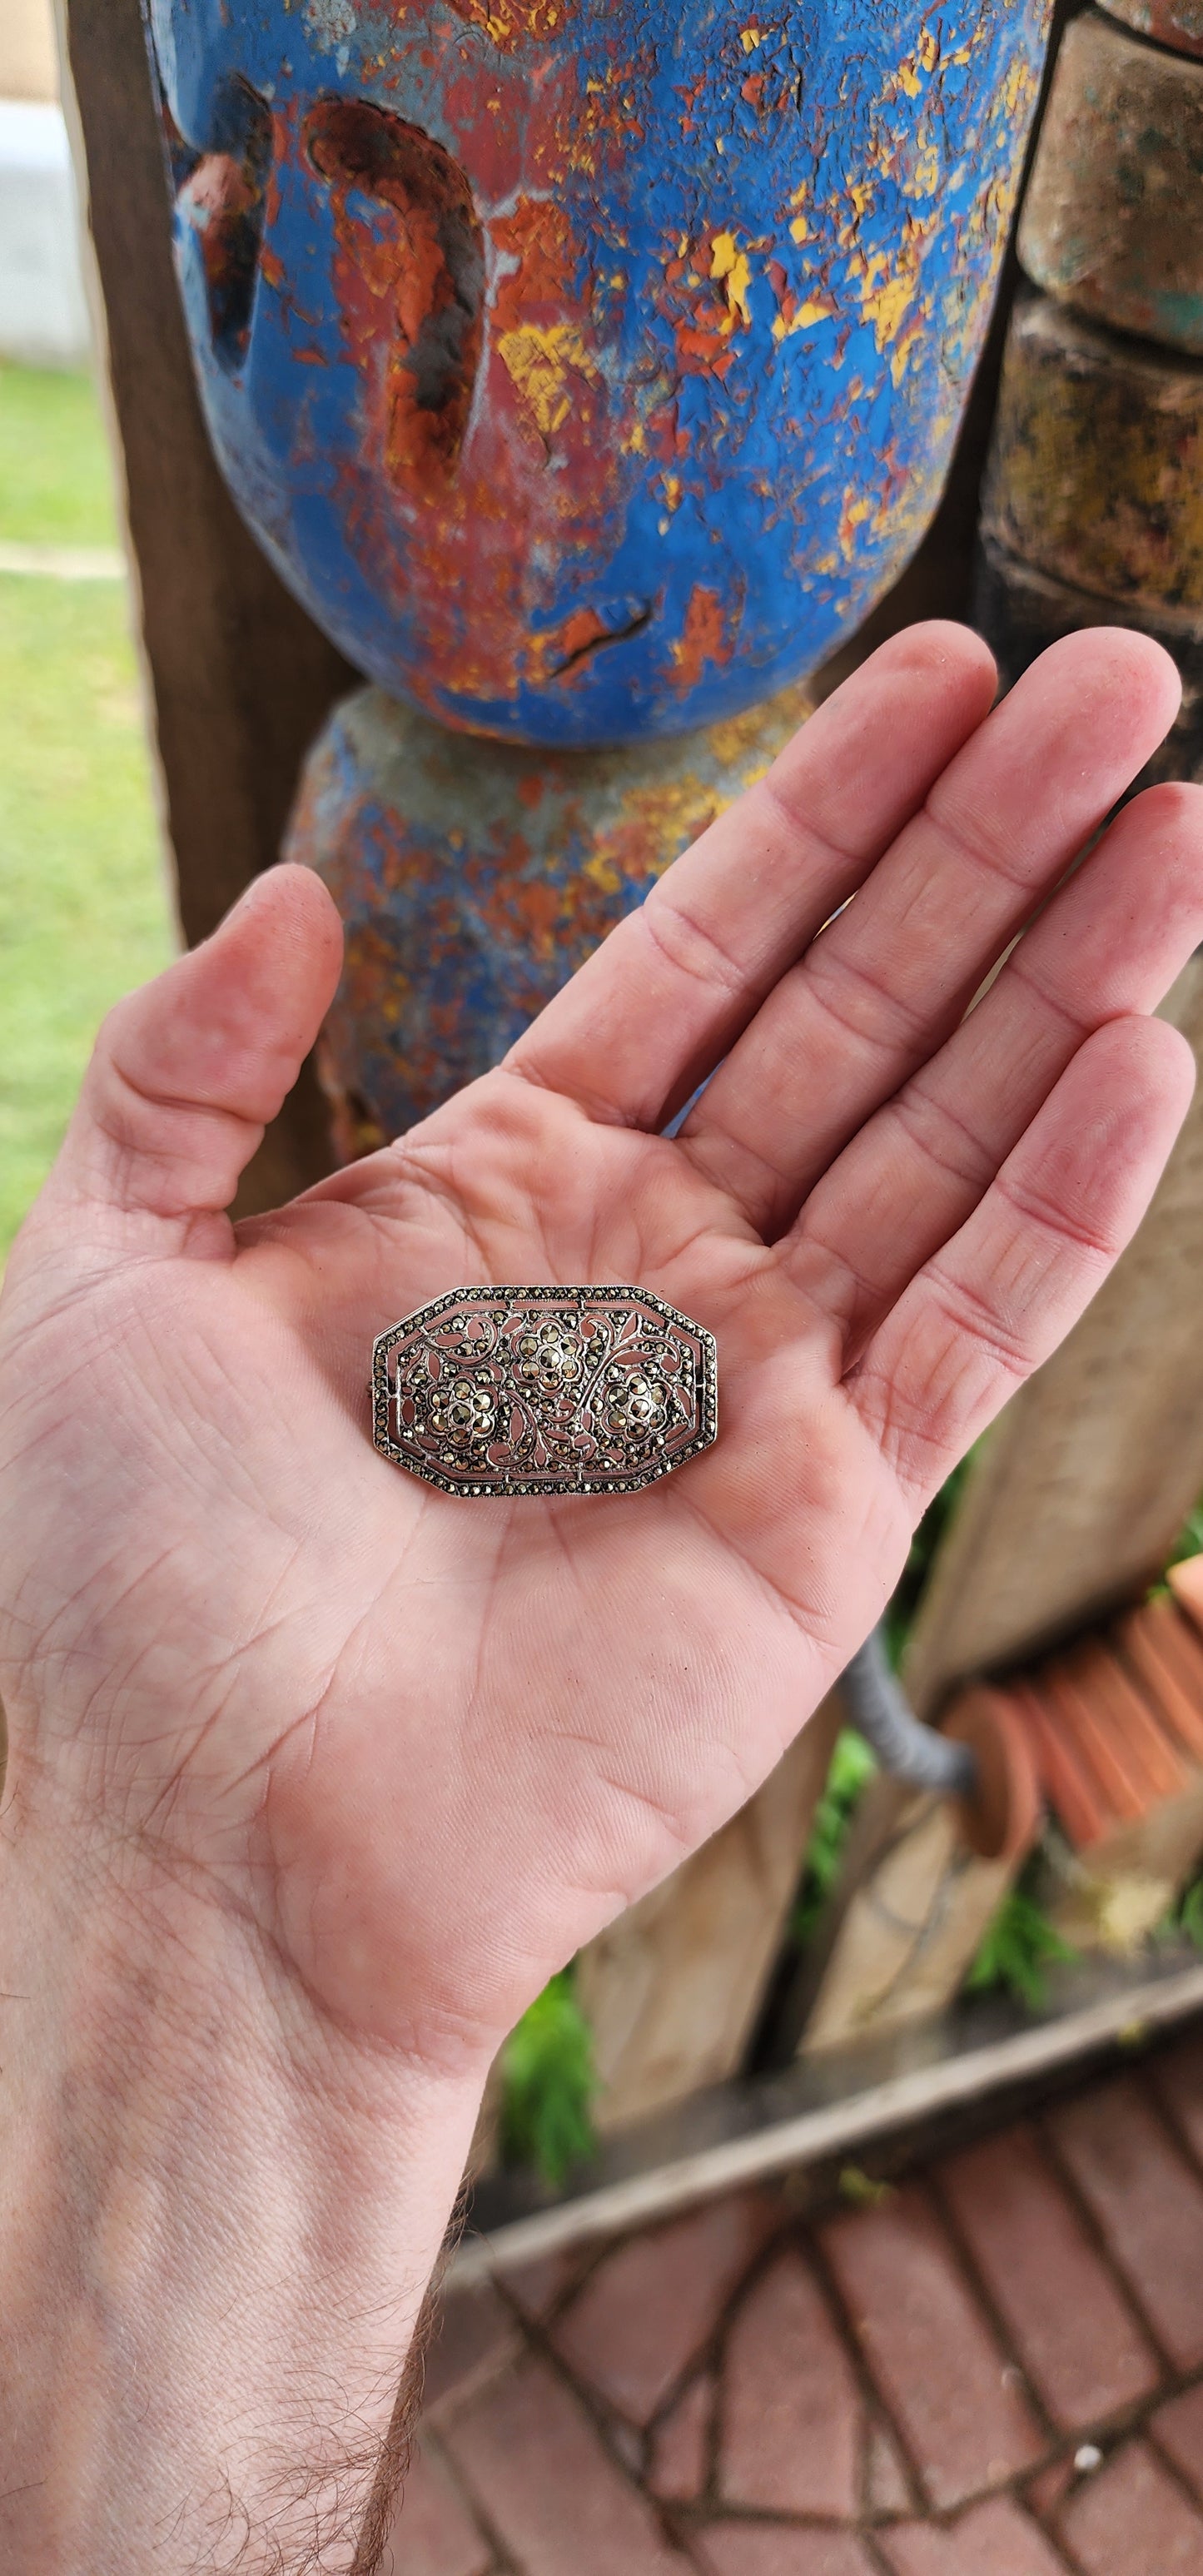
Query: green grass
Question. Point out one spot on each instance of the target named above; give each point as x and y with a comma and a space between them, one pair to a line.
56, 484
84, 910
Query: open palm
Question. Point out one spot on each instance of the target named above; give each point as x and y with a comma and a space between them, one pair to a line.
428, 1746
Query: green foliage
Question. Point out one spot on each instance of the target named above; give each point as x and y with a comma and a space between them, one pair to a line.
1190, 1540
1018, 1948
852, 1768
861, 2190
56, 479
900, 1616
1190, 1913
549, 2084
83, 901
1186, 1916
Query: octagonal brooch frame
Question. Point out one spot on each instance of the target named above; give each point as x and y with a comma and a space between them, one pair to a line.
515, 1391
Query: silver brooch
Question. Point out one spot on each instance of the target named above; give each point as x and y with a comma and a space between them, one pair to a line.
509, 1391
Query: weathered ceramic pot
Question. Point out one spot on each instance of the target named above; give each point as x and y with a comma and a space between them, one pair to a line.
1096, 468
473, 880
1170, 22
1110, 221
589, 368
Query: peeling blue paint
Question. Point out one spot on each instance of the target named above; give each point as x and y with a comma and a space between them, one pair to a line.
595, 376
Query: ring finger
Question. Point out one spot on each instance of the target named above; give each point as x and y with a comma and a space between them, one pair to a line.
1109, 945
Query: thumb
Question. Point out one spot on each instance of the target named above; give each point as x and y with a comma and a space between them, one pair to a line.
187, 1072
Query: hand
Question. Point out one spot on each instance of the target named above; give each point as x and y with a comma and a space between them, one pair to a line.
316, 1773
425, 1748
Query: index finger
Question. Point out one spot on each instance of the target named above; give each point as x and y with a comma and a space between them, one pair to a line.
664, 997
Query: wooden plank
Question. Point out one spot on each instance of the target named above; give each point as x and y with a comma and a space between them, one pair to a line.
793, 2123
1083, 1486
922, 1881
938, 582
672, 1989
239, 678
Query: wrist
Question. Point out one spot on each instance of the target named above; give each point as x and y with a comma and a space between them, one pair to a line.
219, 2216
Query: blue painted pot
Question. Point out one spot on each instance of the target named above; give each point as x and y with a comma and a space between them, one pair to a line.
588, 369
474, 879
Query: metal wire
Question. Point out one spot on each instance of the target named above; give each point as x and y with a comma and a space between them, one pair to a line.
878, 1707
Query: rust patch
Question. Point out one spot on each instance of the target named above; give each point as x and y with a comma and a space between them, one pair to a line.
705, 638
417, 246
224, 200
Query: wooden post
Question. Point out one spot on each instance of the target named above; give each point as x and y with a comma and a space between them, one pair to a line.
673, 1989
1091, 510
923, 1877
239, 678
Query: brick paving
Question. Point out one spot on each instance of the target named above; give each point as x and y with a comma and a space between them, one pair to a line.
996, 2370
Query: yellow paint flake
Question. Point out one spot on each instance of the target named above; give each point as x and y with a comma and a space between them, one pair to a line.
746, 742
659, 822
601, 870
800, 229
904, 349
731, 267
539, 360
885, 299
925, 177
1018, 90
750, 38
855, 511
819, 309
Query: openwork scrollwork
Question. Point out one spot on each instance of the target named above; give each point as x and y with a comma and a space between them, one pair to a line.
501, 1391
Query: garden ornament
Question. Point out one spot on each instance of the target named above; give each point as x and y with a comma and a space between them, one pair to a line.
590, 369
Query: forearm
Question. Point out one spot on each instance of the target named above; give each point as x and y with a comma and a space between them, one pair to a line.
217, 2223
